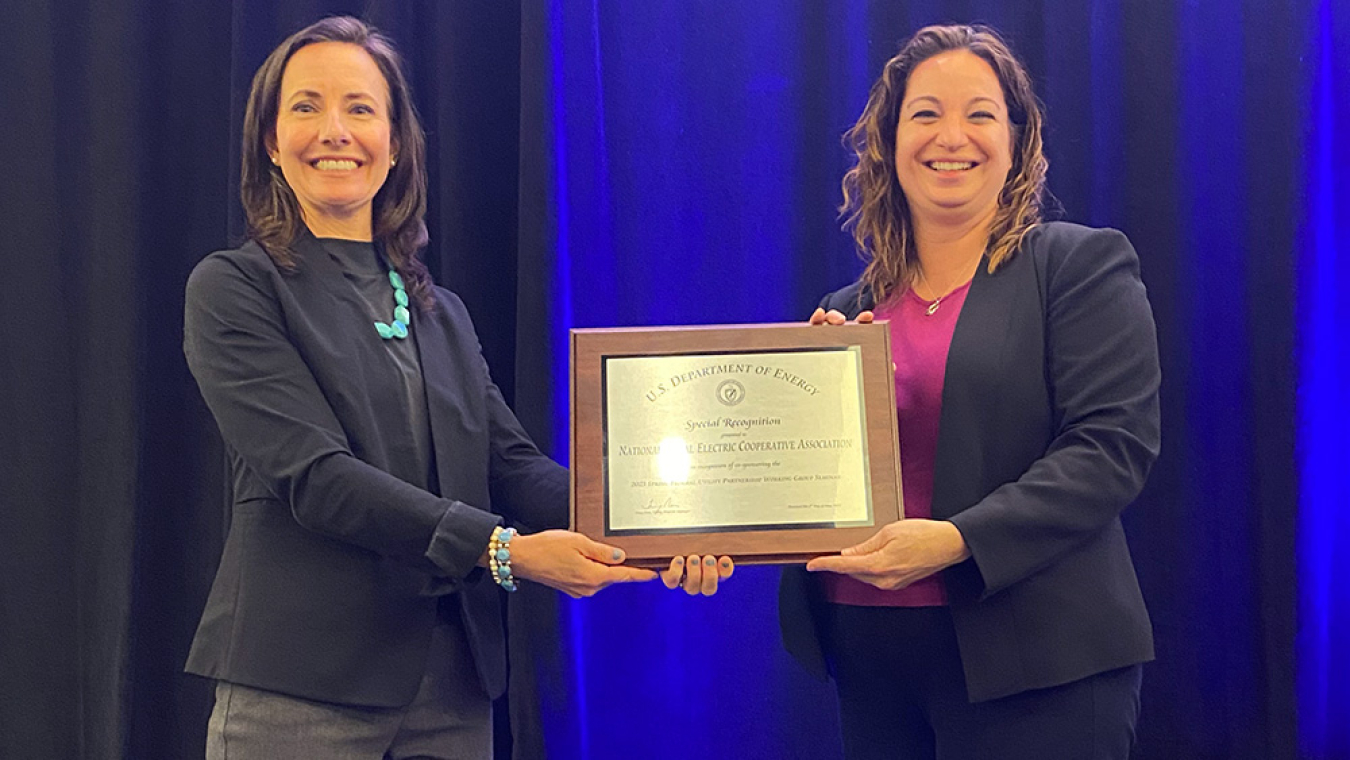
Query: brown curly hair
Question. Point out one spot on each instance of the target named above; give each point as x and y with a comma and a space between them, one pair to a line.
273, 214
875, 209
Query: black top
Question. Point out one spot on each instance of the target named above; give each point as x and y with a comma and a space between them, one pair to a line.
367, 270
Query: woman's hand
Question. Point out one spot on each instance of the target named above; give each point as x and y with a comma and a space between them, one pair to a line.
698, 575
899, 554
571, 562
832, 317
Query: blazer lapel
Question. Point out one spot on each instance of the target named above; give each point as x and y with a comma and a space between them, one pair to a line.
324, 271
356, 367
330, 301
974, 363
343, 300
445, 378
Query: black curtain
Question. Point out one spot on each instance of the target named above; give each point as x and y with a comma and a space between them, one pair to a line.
121, 173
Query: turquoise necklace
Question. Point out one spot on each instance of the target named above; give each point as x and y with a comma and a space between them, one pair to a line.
402, 318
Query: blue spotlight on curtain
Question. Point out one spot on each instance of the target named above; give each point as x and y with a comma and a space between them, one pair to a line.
680, 163
672, 192
1324, 401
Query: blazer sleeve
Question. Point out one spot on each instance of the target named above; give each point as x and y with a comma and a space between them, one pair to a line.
529, 487
272, 413
1103, 374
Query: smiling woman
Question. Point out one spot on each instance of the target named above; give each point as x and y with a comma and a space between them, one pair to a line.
950, 92
375, 466
275, 210
333, 137
1002, 616
953, 143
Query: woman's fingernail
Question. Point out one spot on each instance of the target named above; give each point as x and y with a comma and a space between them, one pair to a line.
618, 555
710, 562
679, 560
726, 563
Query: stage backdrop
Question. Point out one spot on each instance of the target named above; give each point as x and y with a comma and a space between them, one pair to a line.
638, 163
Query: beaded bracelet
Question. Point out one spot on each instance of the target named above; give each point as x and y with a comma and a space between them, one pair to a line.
499, 557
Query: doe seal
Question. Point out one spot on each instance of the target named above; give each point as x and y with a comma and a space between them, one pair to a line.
730, 392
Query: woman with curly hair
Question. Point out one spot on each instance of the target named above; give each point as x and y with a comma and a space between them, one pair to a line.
1002, 618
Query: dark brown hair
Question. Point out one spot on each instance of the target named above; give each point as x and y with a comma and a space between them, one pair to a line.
271, 210
875, 209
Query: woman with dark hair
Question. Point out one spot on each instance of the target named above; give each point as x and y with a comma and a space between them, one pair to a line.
373, 461
1002, 618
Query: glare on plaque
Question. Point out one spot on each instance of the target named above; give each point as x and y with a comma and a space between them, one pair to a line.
672, 463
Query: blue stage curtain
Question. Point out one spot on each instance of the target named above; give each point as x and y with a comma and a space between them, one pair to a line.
680, 164
642, 162
1324, 393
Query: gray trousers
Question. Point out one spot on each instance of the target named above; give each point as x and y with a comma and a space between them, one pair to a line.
451, 717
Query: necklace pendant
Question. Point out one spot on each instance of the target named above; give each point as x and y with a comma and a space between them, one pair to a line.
933, 307
398, 327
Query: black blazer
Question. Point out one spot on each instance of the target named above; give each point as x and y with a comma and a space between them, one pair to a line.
1049, 427
334, 564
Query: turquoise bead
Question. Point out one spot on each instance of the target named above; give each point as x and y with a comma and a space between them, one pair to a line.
503, 570
402, 317
503, 555
509, 585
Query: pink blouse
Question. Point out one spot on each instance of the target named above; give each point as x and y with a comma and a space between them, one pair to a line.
919, 344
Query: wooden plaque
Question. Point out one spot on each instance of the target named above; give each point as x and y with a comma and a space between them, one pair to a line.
768, 443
